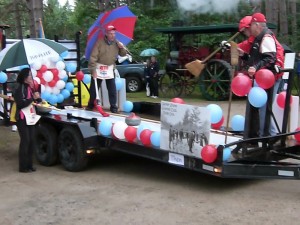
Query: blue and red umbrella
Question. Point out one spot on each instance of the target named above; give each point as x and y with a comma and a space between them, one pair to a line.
121, 18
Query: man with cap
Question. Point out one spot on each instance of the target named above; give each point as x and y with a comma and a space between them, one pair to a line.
264, 54
101, 66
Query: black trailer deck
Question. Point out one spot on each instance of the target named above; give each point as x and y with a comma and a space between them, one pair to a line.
72, 134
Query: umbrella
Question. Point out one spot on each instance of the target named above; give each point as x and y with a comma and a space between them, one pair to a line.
28, 51
121, 18
149, 52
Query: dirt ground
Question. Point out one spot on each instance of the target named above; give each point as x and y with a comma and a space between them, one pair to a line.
122, 189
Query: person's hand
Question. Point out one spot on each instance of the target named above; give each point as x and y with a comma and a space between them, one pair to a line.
241, 51
120, 44
36, 95
94, 74
251, 71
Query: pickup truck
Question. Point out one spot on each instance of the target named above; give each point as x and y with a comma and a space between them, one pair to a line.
132, 72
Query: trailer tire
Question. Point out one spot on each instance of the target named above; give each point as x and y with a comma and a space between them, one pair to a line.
71, 152
46, 145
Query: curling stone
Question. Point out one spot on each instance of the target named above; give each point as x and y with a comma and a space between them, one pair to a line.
133, 120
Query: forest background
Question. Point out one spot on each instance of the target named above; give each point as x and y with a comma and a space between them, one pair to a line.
65, 20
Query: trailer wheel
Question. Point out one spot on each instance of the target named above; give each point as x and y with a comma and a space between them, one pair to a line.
215, 80
46, 145
71, 152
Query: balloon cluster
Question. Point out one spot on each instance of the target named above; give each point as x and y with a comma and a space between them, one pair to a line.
121, 131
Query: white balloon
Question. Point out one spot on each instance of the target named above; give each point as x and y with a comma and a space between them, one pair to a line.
46, 62
60, 65
48, 89
36, 65
55, 90
55, 58
60, 84
119, 129
42, 88
48, 76
34, 73
62, 74
38, 80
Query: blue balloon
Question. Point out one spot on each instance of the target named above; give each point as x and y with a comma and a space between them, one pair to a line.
238, 123
257, 97
155, 139
60, 98
53, 99
45, 95
119, 83
87, 79
69, 86
127, 106
216, 113
3, 77
65, 79
226, 154
71, 67
140, 129
105, 127
66, 93
64, 54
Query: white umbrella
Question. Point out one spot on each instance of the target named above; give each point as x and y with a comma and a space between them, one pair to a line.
28, 51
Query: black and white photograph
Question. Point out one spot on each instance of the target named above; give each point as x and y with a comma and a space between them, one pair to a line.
185, 129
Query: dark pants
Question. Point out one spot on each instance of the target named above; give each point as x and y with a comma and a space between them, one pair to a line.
112, 92
154, 86
26, 146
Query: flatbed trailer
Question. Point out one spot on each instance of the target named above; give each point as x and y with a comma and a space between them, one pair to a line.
71, 135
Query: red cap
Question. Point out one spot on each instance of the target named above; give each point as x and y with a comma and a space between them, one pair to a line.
245, 22
110, 27
259, 18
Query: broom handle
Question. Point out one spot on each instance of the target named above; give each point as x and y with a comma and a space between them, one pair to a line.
219, 48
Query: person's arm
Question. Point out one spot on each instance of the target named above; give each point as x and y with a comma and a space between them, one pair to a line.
20, 99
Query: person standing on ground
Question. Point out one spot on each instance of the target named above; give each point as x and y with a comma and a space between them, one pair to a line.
101, 66
24, 96
154, 77
263, 55
147, 77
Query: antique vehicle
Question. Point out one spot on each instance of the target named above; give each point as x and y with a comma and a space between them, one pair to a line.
187, 43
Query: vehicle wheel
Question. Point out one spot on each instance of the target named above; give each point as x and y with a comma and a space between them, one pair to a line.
71, 152
188, 84
46, 145
170, 85
133, 84
214, 80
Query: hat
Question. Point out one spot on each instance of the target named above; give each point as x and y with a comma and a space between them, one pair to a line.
259, 18
110, 27
245, 22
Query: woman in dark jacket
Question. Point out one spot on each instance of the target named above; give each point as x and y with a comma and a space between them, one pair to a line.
24, 96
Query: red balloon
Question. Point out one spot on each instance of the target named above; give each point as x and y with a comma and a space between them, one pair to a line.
79, 75
130, 134
39, 74
43, 82
281, 99
177, 100
145, 137
265, 78
209, 153
218, 124
52, 83
297, 136
241, 85
55, 73
43, 69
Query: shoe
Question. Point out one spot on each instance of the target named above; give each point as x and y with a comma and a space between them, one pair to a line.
14, 128
114, 109
155, 96
24, 171
32, 169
